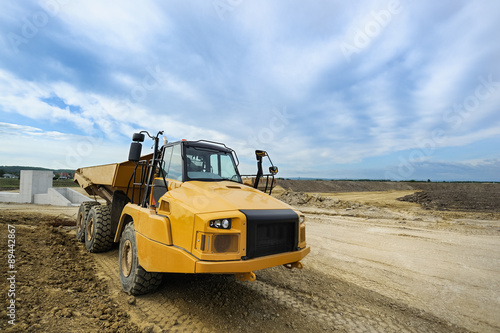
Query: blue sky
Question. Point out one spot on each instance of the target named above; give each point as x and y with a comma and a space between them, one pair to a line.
359, 89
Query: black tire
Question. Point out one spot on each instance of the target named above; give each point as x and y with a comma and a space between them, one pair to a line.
81, 218
135, 279
98, 235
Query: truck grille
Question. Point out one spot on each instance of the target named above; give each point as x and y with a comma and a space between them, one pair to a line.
271, 232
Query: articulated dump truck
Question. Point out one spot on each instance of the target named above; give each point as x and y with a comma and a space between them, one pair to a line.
184, 209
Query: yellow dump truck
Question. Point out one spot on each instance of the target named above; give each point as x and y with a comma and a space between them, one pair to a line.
184, 209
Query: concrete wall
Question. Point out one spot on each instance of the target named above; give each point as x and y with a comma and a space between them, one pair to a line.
73, 196
36, 187
10, 197
34, 182
52, 197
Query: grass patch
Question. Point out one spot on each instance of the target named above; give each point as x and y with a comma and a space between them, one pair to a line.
9, 184
13, 184
64, 183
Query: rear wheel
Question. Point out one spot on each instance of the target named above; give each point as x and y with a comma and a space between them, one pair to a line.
83, 213
98, 236
135, 279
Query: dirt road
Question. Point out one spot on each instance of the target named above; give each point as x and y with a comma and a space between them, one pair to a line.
376, 265
449, 274
59, 285
306, 301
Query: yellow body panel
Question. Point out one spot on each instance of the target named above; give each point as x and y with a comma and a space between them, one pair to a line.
238, 229
176, 236
157, 257
175, 260
116, 175
101, 175
202, 197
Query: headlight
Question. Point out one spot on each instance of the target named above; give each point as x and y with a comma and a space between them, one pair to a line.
221, 224
302, 219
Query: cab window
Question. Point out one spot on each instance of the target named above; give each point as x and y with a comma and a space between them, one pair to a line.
210, 165
172, 162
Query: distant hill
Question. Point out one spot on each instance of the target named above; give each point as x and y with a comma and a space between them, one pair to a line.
340, 186
16, 169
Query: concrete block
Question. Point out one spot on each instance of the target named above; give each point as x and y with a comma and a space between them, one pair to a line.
36, 187
10, 197
73, 196
41, 199
34, 182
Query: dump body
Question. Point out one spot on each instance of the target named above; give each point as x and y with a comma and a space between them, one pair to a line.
104, 180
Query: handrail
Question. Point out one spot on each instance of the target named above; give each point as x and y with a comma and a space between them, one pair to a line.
268, 185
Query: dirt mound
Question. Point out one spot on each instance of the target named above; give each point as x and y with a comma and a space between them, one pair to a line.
55, 283
458, 198
327, 186
342, 186
477, 197
316, 200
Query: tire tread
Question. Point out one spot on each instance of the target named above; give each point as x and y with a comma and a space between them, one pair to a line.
142, 281
85, 206
103, 238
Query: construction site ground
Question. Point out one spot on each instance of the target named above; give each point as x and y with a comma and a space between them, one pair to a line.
377, 264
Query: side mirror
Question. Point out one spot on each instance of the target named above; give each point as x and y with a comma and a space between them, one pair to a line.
134, 154
273, 169
260, 153
138, 137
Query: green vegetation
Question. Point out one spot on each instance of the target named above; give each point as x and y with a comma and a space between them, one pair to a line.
64, 183
16, 169
7, 184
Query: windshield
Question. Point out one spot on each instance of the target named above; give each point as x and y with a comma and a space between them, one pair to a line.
209, 164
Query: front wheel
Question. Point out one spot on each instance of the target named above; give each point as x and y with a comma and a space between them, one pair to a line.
135, 279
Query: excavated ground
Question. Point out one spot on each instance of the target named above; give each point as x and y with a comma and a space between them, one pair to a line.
377, 264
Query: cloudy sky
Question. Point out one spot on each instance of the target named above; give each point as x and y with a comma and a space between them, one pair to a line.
332, 89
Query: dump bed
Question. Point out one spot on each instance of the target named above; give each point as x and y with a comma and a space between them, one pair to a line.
104, 180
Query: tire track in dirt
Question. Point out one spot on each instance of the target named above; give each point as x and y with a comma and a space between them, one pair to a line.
342, 306
155, 308
340, 317
279, 300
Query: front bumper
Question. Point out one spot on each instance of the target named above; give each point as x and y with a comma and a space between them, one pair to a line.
242, 266
157, 257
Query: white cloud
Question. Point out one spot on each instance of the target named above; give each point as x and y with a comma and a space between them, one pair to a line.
116, 25
24, 97
221, 80
31, 146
